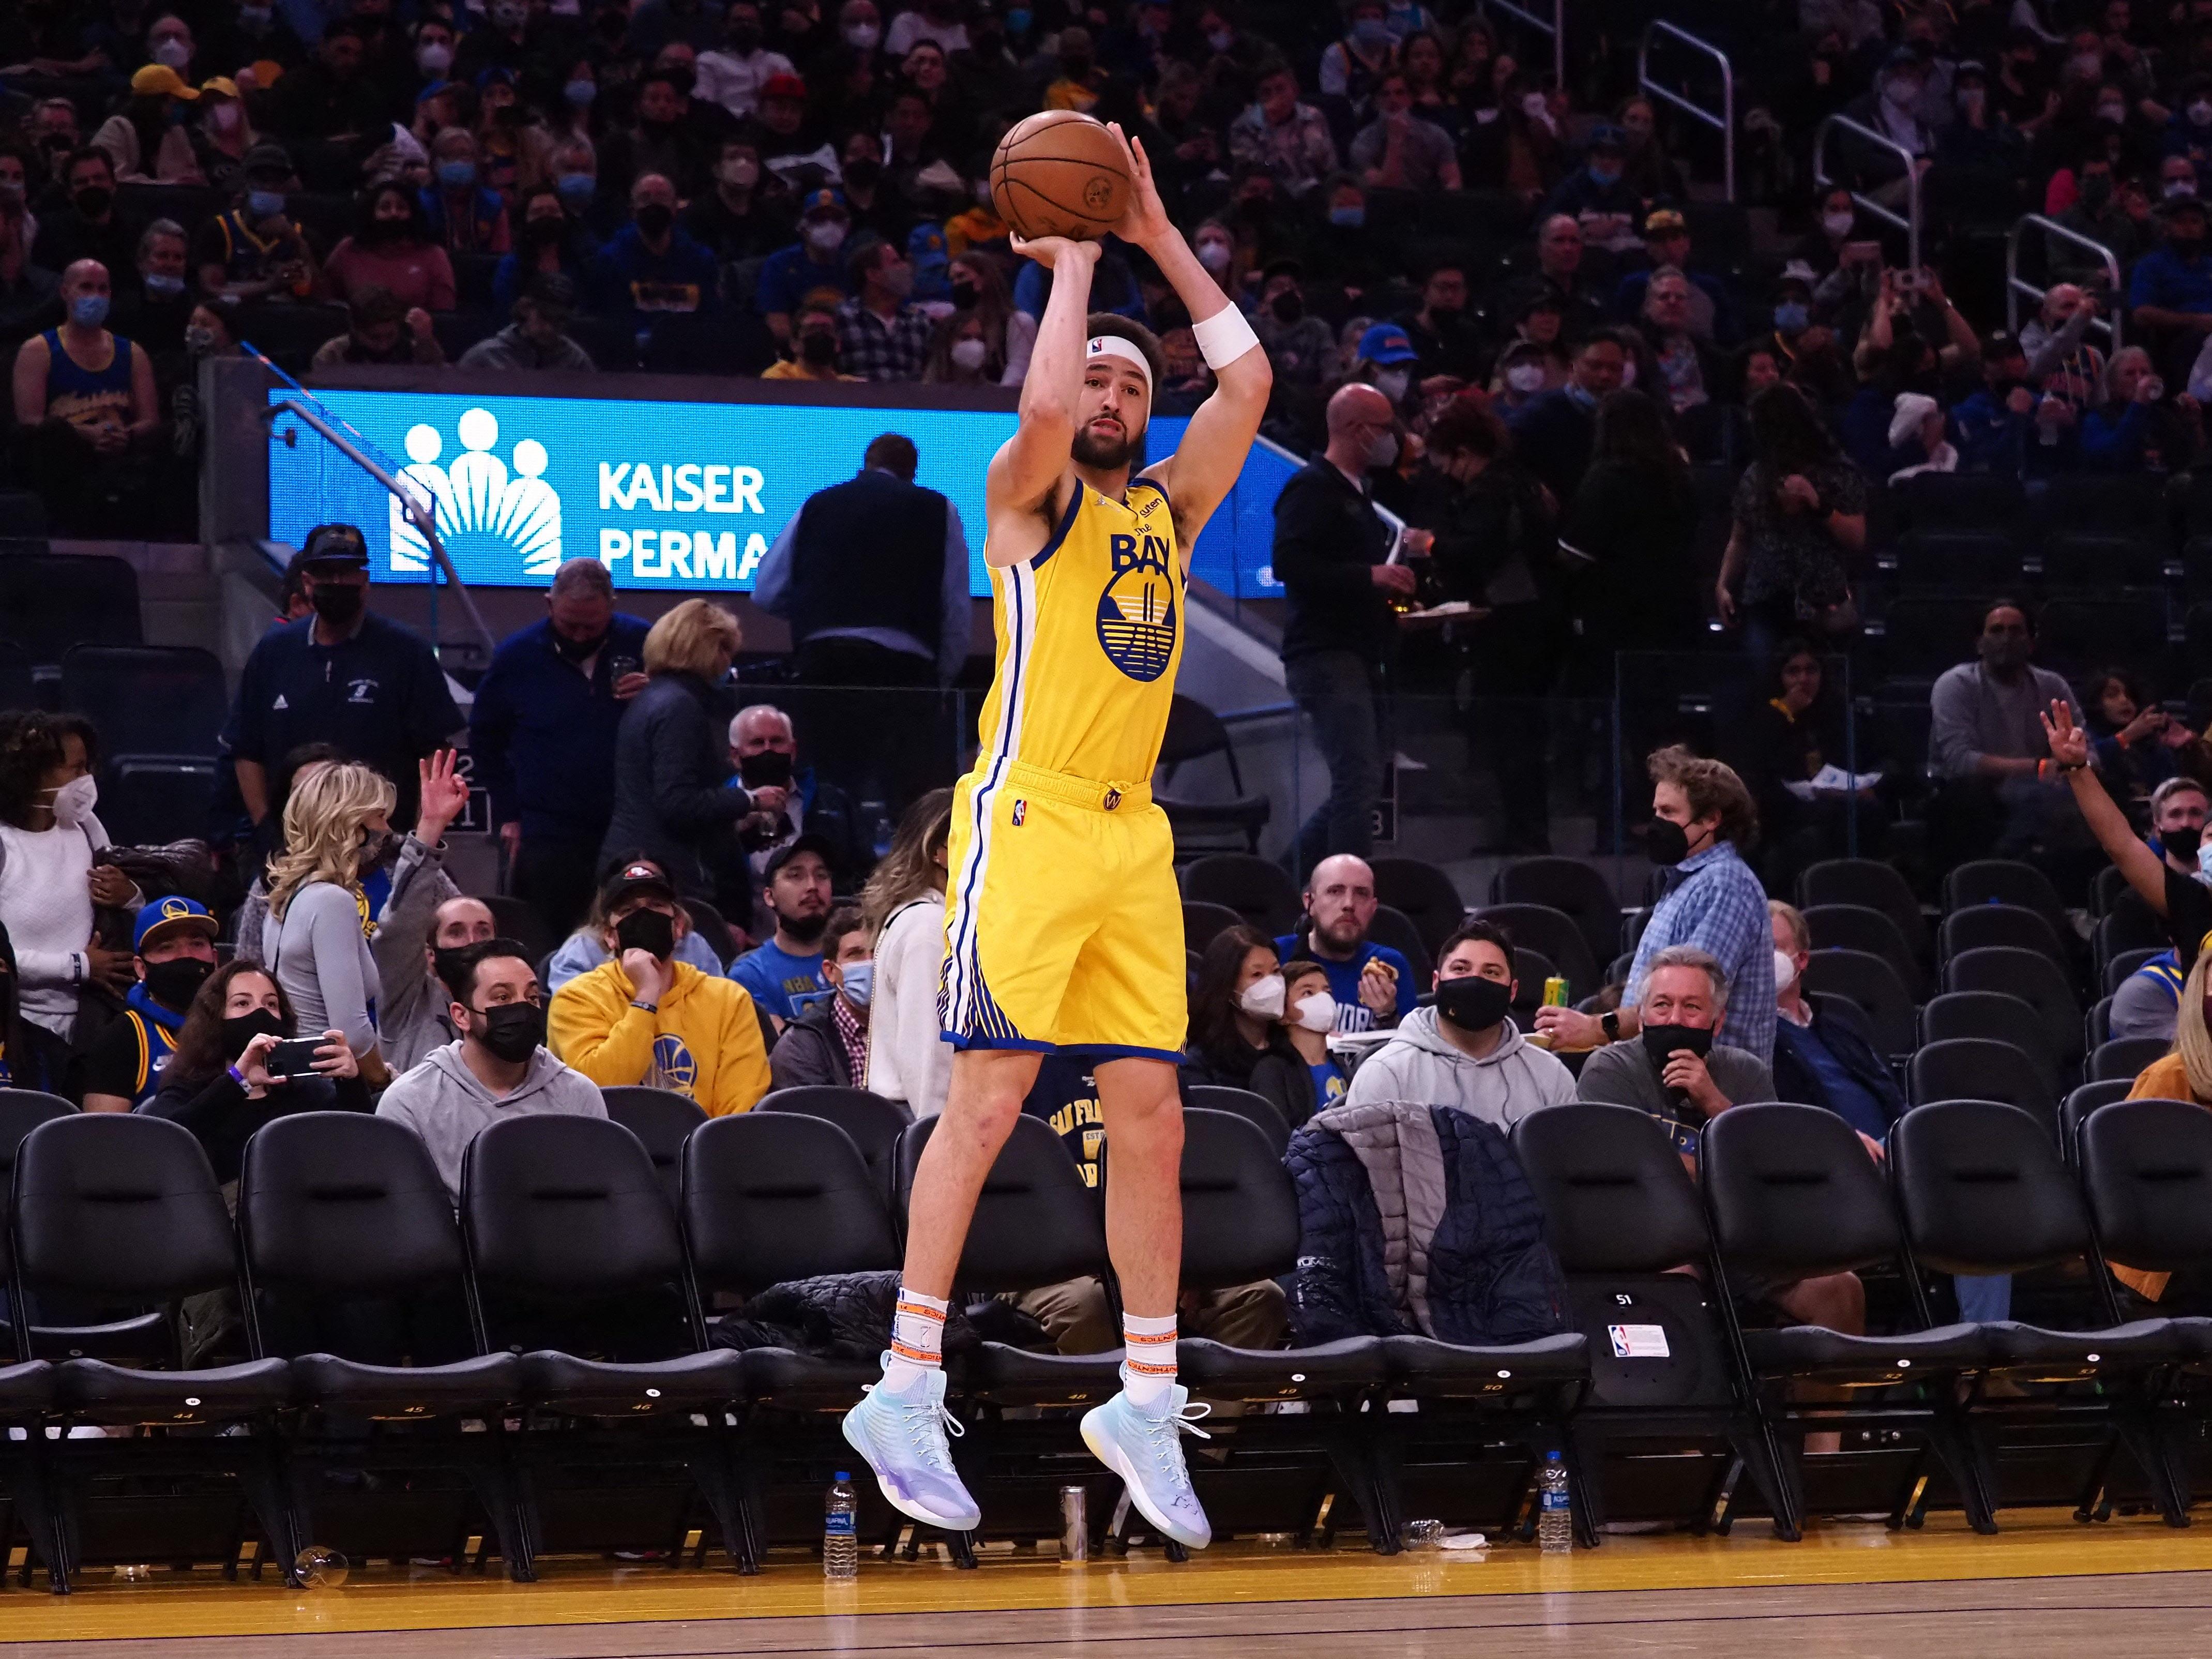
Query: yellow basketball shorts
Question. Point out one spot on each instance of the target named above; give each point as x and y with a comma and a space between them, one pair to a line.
1063, 925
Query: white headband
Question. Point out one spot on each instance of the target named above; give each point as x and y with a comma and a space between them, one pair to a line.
1114, 345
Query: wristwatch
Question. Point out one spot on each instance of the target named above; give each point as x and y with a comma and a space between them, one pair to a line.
1610, 1024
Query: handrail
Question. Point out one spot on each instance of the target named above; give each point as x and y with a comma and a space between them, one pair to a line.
1556, 28
424, 519
1911, 223
1725, 121
2017, 285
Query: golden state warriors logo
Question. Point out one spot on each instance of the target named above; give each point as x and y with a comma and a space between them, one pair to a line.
677, 1066
174, 907
1137, 611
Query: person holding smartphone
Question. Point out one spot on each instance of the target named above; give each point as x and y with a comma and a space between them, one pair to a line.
238, 1064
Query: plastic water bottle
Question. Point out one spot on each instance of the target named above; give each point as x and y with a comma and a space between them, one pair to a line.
1555, 1514
840, 1544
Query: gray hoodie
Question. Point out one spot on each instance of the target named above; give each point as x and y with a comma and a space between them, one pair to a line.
442, 1102
1419, 1065
410, 1011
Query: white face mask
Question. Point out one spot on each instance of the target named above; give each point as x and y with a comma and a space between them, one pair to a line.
1214, 256
1392, 383
1316, 1012
74, 801
1384, 451
1263, 997
862, 37
1628, 374
970, 354
1525, 378
1785, 969
433, 58
826, 235
1837, 224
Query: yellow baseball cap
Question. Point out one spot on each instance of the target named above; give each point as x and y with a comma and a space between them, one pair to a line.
161, 78
221, 84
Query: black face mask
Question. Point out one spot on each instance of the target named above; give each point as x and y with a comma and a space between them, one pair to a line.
511, 1032
1472, 1002
94, 200
377, 849
338, 603
2181, 843
863, 174
1288, 306
1661, 1040
578, 650
652, 932
656, 218
544, 233
239, 1029
1666, 842
819, 349
175, 983
965, 294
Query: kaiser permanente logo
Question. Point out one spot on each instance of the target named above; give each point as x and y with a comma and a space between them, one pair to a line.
493, 514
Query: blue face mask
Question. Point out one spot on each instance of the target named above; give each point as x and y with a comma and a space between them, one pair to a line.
1371, 32
1580, 397
1790, 318
859, 982
456, 175
1349, 217
1018, 20
255, 18
163, 287
580, 93
1604, 172
263, 203
88, 310
576, 189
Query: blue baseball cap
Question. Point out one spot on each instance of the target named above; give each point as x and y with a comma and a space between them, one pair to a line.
824, 200
1386, 342
176, 913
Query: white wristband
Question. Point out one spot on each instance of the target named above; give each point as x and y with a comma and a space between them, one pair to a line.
1225, 337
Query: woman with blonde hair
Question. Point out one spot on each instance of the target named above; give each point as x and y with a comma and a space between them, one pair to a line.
2183, 1072
675, 802
904, 906
338, 829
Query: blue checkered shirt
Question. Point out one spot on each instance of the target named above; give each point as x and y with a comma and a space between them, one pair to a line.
1719, 907
875, 349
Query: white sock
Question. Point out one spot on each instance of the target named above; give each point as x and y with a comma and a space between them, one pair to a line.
1148, 1358
917, 1339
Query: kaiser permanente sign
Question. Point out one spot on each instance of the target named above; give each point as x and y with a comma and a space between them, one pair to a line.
666, 494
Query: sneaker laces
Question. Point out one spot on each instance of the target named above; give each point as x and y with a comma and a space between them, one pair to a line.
1164, 1436
925, 1422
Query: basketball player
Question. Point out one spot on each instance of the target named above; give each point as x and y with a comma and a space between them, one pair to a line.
1063, 924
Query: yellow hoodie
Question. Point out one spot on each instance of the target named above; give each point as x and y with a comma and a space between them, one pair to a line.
704, 1041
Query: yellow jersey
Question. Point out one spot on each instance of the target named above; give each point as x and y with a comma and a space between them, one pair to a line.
1089, 635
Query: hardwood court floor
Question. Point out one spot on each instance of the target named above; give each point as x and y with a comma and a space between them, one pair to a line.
2045, 1586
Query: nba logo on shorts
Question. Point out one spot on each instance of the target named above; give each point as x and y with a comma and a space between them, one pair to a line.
1137, 611
1021, 813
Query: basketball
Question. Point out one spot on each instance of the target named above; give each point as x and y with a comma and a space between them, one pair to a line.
1059, 174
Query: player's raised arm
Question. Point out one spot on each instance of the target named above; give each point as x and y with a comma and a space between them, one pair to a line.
1026, 472
1205, 465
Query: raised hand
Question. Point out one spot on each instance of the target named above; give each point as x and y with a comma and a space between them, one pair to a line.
445, 796
2069, 743
1145, 222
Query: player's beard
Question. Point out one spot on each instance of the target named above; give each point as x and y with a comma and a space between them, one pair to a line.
1106, 455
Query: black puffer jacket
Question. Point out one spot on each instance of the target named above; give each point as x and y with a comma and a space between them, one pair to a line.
1417, 1220
671, 764
848, 1316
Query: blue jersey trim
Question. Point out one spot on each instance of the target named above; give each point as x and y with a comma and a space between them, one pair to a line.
1067, 524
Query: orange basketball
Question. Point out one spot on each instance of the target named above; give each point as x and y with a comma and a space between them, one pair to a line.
1059, 174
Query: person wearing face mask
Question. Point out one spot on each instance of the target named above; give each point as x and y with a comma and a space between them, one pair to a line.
733, 74
645, 1019
542, 731
882, 334
587, 947
392, 248
153, 314
1677, 1066
1443, 341
1330, 552
551, 241
1524, 368
1241, 1016
86, 398
255, 251
148, 139
828, 1042
217, 1083
1557, 430
1465, 1051
902, 906
816, 261
1300, 346
222, 132
497, 1067
172, 944
1076, 80
87, 228
960, 355
1824, 1054
461, 214
747, 214
814, 345
1599, 195
341, 675
652, 267
1702, 817
1353, 65
50, 886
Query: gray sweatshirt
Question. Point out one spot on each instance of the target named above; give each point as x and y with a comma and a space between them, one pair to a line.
1419, 1065
410, 1015
442, 1102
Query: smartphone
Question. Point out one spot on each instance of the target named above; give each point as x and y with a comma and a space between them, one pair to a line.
294, 1057
768, 769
